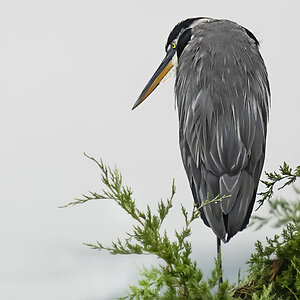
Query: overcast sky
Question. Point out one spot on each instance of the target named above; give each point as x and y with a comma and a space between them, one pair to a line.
70, 72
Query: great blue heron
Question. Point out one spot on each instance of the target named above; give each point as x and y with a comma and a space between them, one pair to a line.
222, 94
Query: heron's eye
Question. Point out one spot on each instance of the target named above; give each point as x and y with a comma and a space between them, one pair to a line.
173, 45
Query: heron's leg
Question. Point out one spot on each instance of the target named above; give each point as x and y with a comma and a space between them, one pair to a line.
219, 255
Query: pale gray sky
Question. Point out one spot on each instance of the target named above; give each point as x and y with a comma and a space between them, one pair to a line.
70, 72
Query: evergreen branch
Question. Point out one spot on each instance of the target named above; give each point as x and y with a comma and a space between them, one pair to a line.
178, 274
281, 211
285, 174
115, 190
278, 263
274, 269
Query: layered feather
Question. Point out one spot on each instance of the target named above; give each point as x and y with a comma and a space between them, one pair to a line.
222, 94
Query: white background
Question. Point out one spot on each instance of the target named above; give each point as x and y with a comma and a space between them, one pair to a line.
70, 72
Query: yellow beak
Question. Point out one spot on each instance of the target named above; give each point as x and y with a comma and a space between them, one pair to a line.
155, 80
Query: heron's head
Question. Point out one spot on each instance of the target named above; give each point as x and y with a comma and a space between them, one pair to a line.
177, 41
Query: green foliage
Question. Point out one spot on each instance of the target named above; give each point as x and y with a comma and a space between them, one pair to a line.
265, 295
286, 174
281, 212
181, 283
278, 263
177, 276
274, 270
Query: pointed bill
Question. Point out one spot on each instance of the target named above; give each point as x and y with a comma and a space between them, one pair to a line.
159, 74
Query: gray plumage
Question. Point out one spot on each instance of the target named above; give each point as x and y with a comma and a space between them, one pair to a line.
222, 95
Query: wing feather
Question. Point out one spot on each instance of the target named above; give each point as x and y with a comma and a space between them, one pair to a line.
222, 96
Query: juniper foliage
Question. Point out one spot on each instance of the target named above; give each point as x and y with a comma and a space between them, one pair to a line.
177, 276
274, 270
278, 263
281, 212
286, 175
